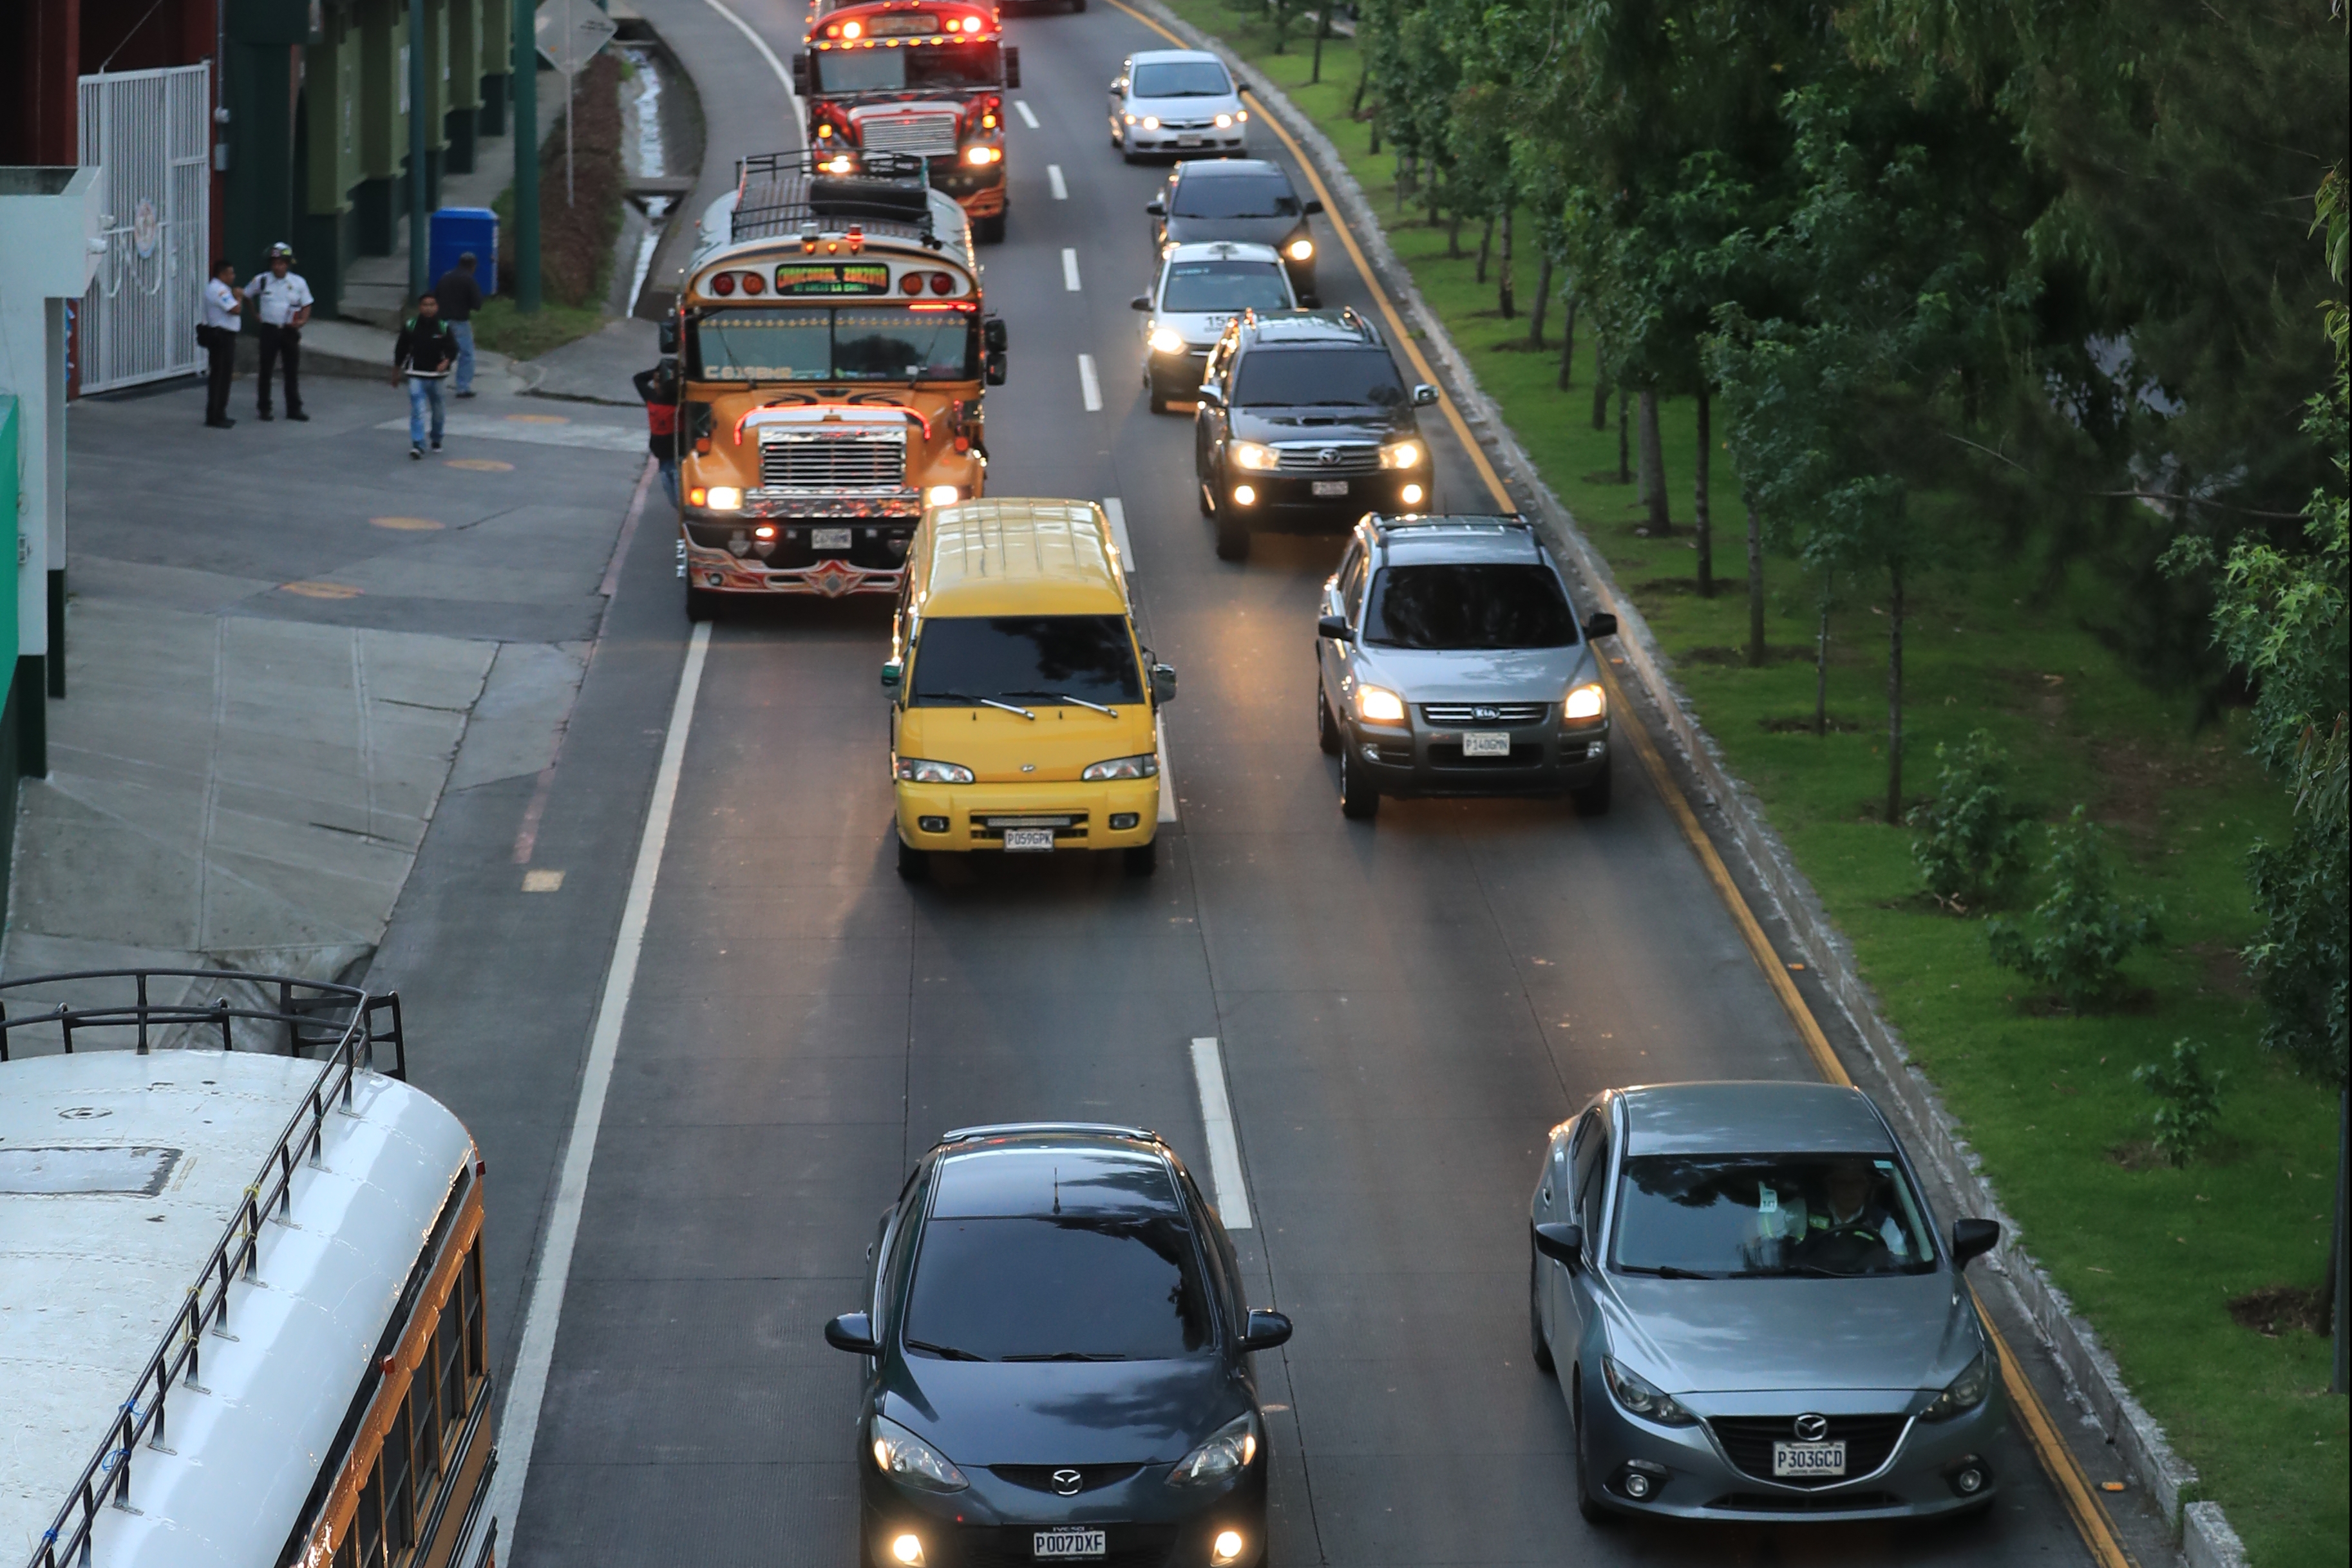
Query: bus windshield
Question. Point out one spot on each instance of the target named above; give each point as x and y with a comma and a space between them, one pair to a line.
886, 343
951, 67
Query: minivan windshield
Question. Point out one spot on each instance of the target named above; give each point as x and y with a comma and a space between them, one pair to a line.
1070, 1287
1223, 286
1751, 1215
1180, 78
1467, 605
1312, 378
1235, 196
962, 661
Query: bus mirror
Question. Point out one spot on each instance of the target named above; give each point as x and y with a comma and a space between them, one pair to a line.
801, 74
995, 368
992, 334
890, 673
668, 334
1011, 66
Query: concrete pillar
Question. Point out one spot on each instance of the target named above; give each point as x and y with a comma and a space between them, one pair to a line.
331, 92
496, 32
263, 35
383, 33
461, 122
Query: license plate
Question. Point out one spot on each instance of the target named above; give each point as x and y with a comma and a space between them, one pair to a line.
828, 539
1486, 743
1330, 486
1033, 839
1809, 1458
1062, 1545
1188, 141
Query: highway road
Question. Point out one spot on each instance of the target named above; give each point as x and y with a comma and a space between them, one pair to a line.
1398, 1009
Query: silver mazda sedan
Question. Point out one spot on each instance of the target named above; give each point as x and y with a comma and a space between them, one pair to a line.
1750, 1314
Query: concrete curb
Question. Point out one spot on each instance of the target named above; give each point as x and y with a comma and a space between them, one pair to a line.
2090, 1371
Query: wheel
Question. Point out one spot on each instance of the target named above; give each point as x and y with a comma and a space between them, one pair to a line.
1592, 800
989, 230
1538, 1347
1158, 399
701, 604
1594, 1511
1141, 860
1232, 537
914, 864
1327, 734
1359, 801
1077, 6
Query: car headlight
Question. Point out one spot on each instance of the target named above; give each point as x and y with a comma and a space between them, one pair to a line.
1402, 454
923, 770
1130, 119
1146, 766
903, 1457
1637, 1396
1300, 250
1224, 122
1967, 1390
1151, 123
724, 498
1587, 701
1379, 706
1250, 454
1228, 1452
1166, 340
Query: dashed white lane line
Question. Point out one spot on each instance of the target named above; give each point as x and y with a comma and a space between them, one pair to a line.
783, 77
1054, 178
1088, 385
1167, 779
1069, 269
1217, 1122
1027, 118
519, 1426
1115, 511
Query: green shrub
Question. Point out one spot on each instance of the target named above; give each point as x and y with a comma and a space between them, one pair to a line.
2189, 1100
1972, 841
2076, 938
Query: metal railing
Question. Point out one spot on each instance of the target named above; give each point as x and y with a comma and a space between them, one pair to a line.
346, 1026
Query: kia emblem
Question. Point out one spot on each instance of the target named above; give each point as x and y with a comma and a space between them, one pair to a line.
1328, 457
1813, 1428
1067, 1482
1484, 713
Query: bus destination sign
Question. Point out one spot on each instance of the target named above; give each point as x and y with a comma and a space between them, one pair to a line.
803, 278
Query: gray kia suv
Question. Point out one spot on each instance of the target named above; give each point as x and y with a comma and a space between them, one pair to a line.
1449, 662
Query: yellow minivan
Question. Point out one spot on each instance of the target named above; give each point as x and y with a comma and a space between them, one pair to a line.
1023, 714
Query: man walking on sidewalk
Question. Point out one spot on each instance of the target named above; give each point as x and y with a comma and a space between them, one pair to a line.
218, 336
284, 309
425, 350
460, 295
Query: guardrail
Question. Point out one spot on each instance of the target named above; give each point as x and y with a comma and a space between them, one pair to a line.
346, 1025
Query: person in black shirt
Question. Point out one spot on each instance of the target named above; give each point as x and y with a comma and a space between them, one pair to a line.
460, 295
423, 354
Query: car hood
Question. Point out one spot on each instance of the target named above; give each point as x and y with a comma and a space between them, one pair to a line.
1256, 231
1362, 422
1483, 675
1062, 1413
1897, 1332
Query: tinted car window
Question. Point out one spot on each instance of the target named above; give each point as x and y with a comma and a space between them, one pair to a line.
1223, 286
1033, 658
1235, 196
1180, 79
1077, 1287
1305, 378
1469, 605
1750, 1215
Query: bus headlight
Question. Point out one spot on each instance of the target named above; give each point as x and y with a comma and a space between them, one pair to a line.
724, 498
1379, 706
1300, 250
1588, 700
1166, 340
1402, 454
981, 156
942, 495
1250, 454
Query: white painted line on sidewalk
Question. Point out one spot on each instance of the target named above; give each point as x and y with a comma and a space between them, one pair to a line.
527, 1389
1115, 511
1022, 104
785, 78
1054, 178
1069, 269
1167, 779
1088, 385
491, 427
1217, 1122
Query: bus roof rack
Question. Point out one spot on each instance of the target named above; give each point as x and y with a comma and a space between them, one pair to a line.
781, 194
273, 1014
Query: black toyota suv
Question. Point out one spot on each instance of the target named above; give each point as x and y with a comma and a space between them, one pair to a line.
1303, 422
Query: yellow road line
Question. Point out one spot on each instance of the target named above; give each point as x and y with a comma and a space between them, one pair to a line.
2074, 1487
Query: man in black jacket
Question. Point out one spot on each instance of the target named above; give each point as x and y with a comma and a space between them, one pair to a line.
423, 354
460, 294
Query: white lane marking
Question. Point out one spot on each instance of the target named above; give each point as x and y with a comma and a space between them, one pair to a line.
1069, 269
1167, 779
1088, 384
1027, 118
1217, 1122
1054, 178
519, 1426
783, 77
1116, 512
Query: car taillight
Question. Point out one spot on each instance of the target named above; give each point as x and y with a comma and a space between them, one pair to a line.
723, 285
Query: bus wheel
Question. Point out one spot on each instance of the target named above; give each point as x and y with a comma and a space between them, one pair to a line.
990, 230
701, 604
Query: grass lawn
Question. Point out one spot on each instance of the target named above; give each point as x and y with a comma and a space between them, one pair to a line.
2150, 1254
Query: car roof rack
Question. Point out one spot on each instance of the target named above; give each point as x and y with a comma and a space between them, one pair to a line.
1098, 1129
783, 193
1384, 522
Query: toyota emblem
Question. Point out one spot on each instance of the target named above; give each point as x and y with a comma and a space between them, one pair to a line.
1813, 1428
1328, 457
1067, 1482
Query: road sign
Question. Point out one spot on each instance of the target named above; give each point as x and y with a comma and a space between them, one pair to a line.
570, 32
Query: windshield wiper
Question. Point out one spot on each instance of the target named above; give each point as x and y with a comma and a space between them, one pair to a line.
1067, 697
1669, 1272
1066, 1355
981, 701
948, 1352
1802, 1270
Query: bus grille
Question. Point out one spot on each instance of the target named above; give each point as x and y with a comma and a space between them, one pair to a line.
832, 463
925, 135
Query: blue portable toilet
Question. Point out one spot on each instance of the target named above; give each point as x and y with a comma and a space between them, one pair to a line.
456, 230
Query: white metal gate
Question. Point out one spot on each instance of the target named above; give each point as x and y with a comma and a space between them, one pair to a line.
148, 132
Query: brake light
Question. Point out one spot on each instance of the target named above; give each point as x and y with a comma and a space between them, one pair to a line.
723, 285
942, 283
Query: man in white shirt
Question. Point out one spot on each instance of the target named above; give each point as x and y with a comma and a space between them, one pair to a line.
284, 307
218, 336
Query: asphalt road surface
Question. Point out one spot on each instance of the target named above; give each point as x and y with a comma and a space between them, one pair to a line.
1401, 1009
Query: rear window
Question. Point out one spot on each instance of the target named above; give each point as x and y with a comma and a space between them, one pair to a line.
1223, 286
1312, 378
1027, 659
1072, 1287
1180, 79
1235, 196
1469, 605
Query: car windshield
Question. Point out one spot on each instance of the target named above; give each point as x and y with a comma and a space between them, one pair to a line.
892, 343
1469, 605
1180, 78
1745, 1216
1235, 196
950, 66
1223, 286
1306, 378
1072, 1287
1025, 659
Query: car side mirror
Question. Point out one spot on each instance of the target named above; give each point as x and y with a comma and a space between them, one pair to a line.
1163, 685
1211, 395
1140, 302
1310, 207
853, 1332
667, 336
1600, 624
1424, 394
1336, 628
995, 369
1012, 65
1973, 1239
892, 673
1562, 1243
1266, 1331
1156, 207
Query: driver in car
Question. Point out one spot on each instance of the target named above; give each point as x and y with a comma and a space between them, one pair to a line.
1853, 1228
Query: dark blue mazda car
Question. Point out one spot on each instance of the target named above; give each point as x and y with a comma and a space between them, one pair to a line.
1057, 1360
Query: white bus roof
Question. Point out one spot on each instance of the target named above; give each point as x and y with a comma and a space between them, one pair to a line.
119, 1173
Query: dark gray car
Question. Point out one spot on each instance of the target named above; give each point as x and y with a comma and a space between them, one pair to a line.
1247, 199
1750, 1314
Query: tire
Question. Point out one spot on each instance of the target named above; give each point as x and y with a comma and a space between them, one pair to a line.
1359, 801
1232, 537
1157, 399
1591, 1507
1327, 734
1592, 800
914, 864
1538, 1345
1077, 6
1141, 860
989, 230
701, 604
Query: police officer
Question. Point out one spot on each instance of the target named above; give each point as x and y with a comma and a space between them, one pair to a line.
218, 335
284, 309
